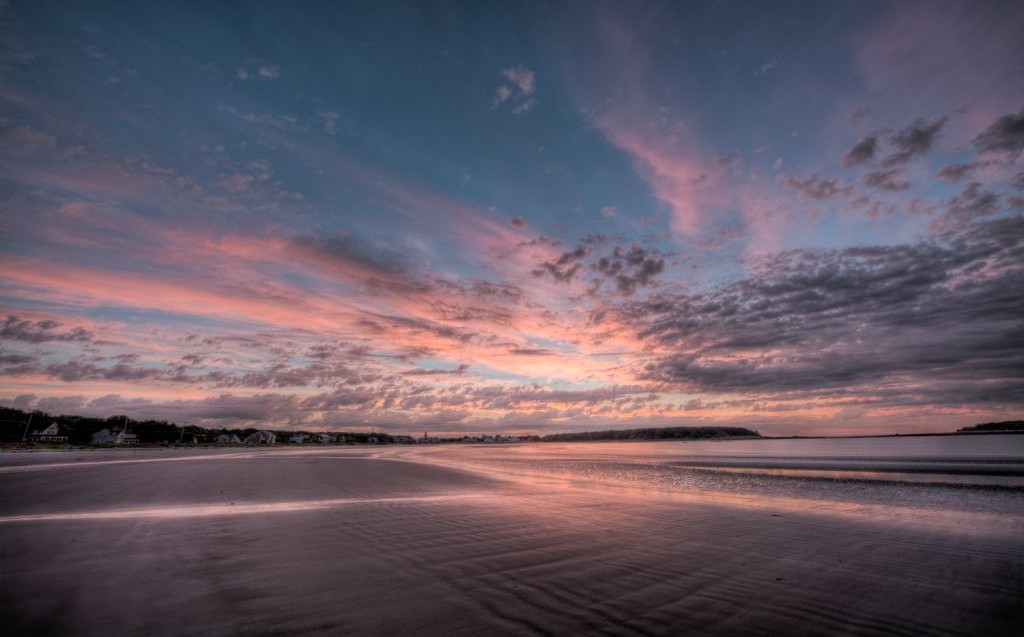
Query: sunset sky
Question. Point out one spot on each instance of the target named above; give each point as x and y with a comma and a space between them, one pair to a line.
800, 217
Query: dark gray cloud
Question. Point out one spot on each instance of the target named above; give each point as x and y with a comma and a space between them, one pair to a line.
630, 269
860, 114
973, 202
376, 265
862, 152
913, 141
482, 290
1018, 181
42, 331
887, 179
814, 188
462, 312
565, 268
222, 410
956, 172
18, 364
73, 371
726, 163
527, 396
330, 365
383, 324
458, 371
938, 321
317, 374
16, 359
530, 351
1005, 135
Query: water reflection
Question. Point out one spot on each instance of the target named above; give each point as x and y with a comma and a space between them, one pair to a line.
947, 479
231, 509
980, 478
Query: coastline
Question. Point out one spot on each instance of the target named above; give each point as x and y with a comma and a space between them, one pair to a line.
21, 447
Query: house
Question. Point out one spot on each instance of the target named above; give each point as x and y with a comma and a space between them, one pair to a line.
114, 437
297, 439
403, 440
49, 434
228, 439
103, 437
261, 438
322, 438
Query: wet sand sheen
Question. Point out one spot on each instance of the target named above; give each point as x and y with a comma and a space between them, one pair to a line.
363, 546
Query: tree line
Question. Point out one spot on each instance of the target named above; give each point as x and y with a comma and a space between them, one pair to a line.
79, 429
658, 433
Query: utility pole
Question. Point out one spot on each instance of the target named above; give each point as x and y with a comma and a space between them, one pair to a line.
24, 436
120, 438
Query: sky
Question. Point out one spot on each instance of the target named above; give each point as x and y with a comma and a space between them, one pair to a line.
515, 217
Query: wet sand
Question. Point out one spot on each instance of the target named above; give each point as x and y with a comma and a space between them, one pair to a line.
408, 542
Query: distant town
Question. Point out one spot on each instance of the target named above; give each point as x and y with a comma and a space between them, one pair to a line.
21, 427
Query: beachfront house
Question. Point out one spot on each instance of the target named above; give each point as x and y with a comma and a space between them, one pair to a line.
297, 439
228, 439
122, 437
261, 438
322, 438
49, 434
104, 437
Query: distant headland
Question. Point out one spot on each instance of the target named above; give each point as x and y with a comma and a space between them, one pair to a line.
658, 433
988, 427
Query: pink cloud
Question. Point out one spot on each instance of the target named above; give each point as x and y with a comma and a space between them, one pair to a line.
675, 176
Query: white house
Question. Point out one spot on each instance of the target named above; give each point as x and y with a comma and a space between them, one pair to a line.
297, 439
261, 438
103, 437
49, 434
228, 439
114, 437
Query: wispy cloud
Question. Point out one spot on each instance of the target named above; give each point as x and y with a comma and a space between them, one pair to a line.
766, 68
261, 72
517, 91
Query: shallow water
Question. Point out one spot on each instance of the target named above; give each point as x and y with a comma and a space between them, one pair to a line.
989, 448
983, 474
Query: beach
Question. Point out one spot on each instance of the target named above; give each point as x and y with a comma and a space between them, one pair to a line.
518, 540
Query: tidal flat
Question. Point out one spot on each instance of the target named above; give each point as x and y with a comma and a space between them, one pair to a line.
914, 536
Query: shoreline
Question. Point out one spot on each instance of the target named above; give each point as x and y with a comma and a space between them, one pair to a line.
22, 447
